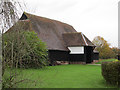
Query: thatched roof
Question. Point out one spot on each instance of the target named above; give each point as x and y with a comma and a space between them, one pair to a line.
51, 31
76, 39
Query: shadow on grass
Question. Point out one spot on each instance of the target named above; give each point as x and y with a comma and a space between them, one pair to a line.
107, 85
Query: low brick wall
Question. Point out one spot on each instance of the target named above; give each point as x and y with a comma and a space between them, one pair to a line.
66, 62
77, 62
61, 62
95, 61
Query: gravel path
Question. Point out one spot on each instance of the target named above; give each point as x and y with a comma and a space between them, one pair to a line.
95, 64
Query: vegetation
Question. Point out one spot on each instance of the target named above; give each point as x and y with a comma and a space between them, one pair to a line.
9, 15
21, 49
105, 60
116, 51
111, 72
24, 49
105, 52
64, 76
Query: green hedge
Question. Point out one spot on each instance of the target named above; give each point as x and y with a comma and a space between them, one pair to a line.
111, 72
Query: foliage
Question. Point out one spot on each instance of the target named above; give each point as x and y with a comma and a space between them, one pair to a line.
111, 72
13, 77
103, 47
115, 51
9, 78
24, 49
21, 49
9, 14
105, 60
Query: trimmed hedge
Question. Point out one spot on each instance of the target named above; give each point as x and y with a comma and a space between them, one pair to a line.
111, 72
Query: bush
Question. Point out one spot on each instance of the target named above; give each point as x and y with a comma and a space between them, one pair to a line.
24, 49
111, 72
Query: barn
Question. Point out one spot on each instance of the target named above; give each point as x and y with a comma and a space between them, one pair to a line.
118, 56
64, 43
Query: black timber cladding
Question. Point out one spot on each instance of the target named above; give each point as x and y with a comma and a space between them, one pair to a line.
118, 56
88, 51
76, 57
57, 55
96, 56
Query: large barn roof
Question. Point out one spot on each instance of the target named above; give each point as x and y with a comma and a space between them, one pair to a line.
52, 32
76, 39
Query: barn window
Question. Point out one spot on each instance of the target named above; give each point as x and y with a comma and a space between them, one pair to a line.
76, 50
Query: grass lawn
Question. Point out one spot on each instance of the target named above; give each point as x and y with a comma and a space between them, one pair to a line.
64, 76
105, 60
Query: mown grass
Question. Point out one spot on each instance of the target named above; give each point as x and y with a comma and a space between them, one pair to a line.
63, 76
105, 60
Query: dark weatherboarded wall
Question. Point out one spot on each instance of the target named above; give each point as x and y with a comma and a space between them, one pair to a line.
88, 50
76, 57
96, 56
119, 57
57, 55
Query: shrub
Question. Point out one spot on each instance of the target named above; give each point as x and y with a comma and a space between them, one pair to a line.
111, 72
24, 49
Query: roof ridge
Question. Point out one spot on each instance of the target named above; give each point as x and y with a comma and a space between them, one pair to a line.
72, 33
48, 19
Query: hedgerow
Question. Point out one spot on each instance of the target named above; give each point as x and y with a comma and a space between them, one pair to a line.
111, 72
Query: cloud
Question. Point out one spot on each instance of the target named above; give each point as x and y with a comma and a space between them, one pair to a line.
55, 6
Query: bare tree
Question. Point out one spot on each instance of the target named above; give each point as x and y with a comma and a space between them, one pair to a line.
9, 14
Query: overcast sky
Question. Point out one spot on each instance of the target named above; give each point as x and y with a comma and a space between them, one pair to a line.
91, 17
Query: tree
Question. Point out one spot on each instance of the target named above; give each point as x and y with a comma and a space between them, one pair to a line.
100, 41
9, 13
103, 47
24, 49
116, 51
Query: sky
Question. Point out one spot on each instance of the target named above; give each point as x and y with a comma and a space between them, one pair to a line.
91, 17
